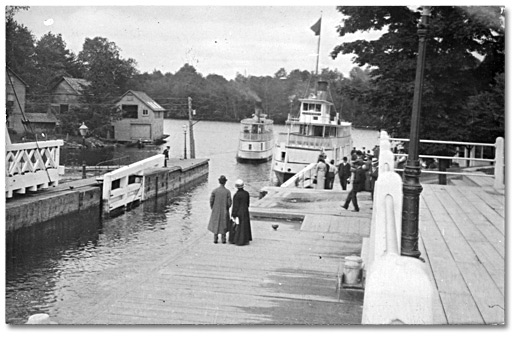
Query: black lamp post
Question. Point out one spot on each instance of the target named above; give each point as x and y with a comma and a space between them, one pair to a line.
411, 185
184, 128
83, 131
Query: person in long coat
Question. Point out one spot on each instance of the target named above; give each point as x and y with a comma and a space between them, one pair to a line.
240, 210
220, 202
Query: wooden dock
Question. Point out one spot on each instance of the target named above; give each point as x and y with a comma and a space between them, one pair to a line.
462, 234
287, 276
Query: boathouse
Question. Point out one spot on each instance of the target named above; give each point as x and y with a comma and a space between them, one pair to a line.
66, 93
142, 118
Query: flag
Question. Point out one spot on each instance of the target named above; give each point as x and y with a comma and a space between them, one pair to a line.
316, 28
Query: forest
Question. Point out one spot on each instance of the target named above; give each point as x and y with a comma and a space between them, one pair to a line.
464, 85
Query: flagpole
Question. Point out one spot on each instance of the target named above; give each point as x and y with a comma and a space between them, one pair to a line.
319, 41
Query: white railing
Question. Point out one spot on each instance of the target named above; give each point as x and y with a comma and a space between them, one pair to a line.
303, 179
470, 157
31, 166
398, 288
124, 186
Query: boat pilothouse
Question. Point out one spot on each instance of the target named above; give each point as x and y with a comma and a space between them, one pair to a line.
316, 130
256, 137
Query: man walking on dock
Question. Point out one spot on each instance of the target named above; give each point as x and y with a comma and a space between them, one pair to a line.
357, 185
220, 202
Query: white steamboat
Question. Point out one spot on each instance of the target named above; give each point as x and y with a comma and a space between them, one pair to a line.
314, 131
256, 138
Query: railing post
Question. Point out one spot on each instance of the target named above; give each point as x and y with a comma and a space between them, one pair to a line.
499, 164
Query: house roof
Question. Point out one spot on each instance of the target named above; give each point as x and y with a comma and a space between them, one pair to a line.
152, 104
76, 84
17, 76
37, 117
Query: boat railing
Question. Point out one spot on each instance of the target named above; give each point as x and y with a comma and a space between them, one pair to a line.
311, 141
473, 155
303, 178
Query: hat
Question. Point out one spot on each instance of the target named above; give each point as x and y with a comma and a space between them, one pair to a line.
222, 179
239, 183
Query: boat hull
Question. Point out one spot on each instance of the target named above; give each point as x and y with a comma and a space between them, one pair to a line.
245, 159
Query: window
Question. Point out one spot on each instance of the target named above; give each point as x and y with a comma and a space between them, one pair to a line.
314, 108
145, 112
64, 108
158, 115
250, 147
129, 111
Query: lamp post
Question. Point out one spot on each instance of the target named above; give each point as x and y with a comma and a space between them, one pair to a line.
185, 128
411, 185
83, 131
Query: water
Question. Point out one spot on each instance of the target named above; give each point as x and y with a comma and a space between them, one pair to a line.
77, 260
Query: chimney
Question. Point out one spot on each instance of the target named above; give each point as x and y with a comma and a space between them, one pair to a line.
322, 90
258, 108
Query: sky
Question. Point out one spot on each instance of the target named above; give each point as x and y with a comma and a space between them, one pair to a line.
224, 40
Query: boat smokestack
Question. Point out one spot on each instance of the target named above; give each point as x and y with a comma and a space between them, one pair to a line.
322, 90
258, 108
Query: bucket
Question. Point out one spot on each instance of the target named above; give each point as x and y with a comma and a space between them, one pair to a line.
352, 269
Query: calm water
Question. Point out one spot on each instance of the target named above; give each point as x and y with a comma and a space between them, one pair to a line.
51, 266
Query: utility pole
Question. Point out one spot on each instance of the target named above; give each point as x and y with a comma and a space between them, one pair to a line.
192, 139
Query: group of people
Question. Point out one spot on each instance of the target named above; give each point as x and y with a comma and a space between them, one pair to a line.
363, 170
239, 223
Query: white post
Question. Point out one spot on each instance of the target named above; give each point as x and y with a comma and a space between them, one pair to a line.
499, 164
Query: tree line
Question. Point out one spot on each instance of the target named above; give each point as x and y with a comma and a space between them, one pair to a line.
463, 87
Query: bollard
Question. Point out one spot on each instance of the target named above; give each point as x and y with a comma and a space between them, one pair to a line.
84, 170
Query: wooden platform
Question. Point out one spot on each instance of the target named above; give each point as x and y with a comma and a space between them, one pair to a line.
286, 276
462, 234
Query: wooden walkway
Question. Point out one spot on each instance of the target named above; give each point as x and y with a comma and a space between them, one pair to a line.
462, 234
286, 276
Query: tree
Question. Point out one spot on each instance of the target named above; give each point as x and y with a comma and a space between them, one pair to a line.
19, 44
53, 61
108, 73
109, 76
465, 50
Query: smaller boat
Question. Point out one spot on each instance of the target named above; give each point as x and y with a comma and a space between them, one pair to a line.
256, 138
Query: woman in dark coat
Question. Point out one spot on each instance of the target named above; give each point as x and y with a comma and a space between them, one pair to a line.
241, 210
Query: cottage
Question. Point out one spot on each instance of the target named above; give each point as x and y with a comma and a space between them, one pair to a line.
142, 118
66, 93
15, 89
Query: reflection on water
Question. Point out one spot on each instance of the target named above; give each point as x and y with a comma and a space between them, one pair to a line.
79, 259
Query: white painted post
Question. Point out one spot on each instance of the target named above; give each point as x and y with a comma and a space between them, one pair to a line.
499, 164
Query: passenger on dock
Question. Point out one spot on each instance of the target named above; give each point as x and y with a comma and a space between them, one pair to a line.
220, 202
166, 154
321, 171
344, 173
240, 213
357, 185
331, 174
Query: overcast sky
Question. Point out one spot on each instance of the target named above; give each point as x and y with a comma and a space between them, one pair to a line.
225, 40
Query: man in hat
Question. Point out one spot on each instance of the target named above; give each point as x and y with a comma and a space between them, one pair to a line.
220, 202
344, 173
357, 185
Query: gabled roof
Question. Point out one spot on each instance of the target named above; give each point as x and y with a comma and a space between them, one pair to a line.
76, 84
17, 76
152, 104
